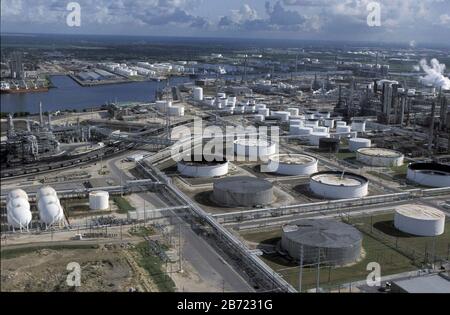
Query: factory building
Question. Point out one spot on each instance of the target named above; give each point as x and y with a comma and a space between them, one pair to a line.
328, 241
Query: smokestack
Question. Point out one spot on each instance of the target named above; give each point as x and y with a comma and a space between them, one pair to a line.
41, 118
10, 125
28, 124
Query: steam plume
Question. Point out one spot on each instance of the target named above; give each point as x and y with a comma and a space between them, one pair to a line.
434, 74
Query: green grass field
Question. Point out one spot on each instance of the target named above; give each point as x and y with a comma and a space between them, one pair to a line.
395, 251
154, 266
123, 204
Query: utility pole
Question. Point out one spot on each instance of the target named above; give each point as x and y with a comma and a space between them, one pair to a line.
318, 270
300, 274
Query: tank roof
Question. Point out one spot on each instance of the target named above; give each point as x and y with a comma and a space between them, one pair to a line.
420, 212
379, 152
334, 178
430, 166
292, 158
243, 184
322, 233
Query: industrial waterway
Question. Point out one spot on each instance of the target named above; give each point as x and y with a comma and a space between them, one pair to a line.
67, 94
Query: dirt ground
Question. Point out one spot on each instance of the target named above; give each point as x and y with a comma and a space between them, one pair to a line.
105, 268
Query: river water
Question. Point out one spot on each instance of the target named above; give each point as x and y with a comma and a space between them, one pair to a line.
67, 94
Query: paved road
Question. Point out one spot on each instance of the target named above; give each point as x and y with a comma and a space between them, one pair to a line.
205, 259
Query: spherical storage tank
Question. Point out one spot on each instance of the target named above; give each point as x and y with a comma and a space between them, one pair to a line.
242, 191
18, 209
254, 148
339, 243
292, 164
419, 220
50, 210
379, 157
203, 166
429, 174
339, 185
99, 200
354, 144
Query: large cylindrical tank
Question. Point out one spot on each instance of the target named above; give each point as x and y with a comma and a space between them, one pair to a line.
359, 126
339, 185
209, 101
293, 111
162, 106
339, 243
354, 144
258, 118
343, 129
302, 131
419, 220
329, 123
292, 164
18, 209
254, 148
176, 111
312, 123
314, 137
341, 123
203, 166
198, 94
283, 116
379, 157
330, 145
242, 191
264, 111
99, 200
429, 174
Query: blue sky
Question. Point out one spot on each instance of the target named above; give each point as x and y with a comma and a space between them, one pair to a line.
401, 20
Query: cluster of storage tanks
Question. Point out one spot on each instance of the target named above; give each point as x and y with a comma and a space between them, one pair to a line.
18, 208
167, 107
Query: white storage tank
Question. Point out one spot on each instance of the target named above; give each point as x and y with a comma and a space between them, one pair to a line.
293, 111
198, 94
203, 166
258, 118
45, 191
18, 212
176, 111
341, 123
283, 116
379, 157
162, 106
50, 210
254, 148
209, 101
292, 164
359, 126
99, 200
295, 122
321, 129
354, 144
339, 185
314, 137
264, 111
329, 123
343, 129
429, 174
17, 193
250, 109
260, 106
221, 95
303, 131
419, 220
312, 123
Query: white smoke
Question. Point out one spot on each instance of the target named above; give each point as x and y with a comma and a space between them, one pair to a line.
434, 74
